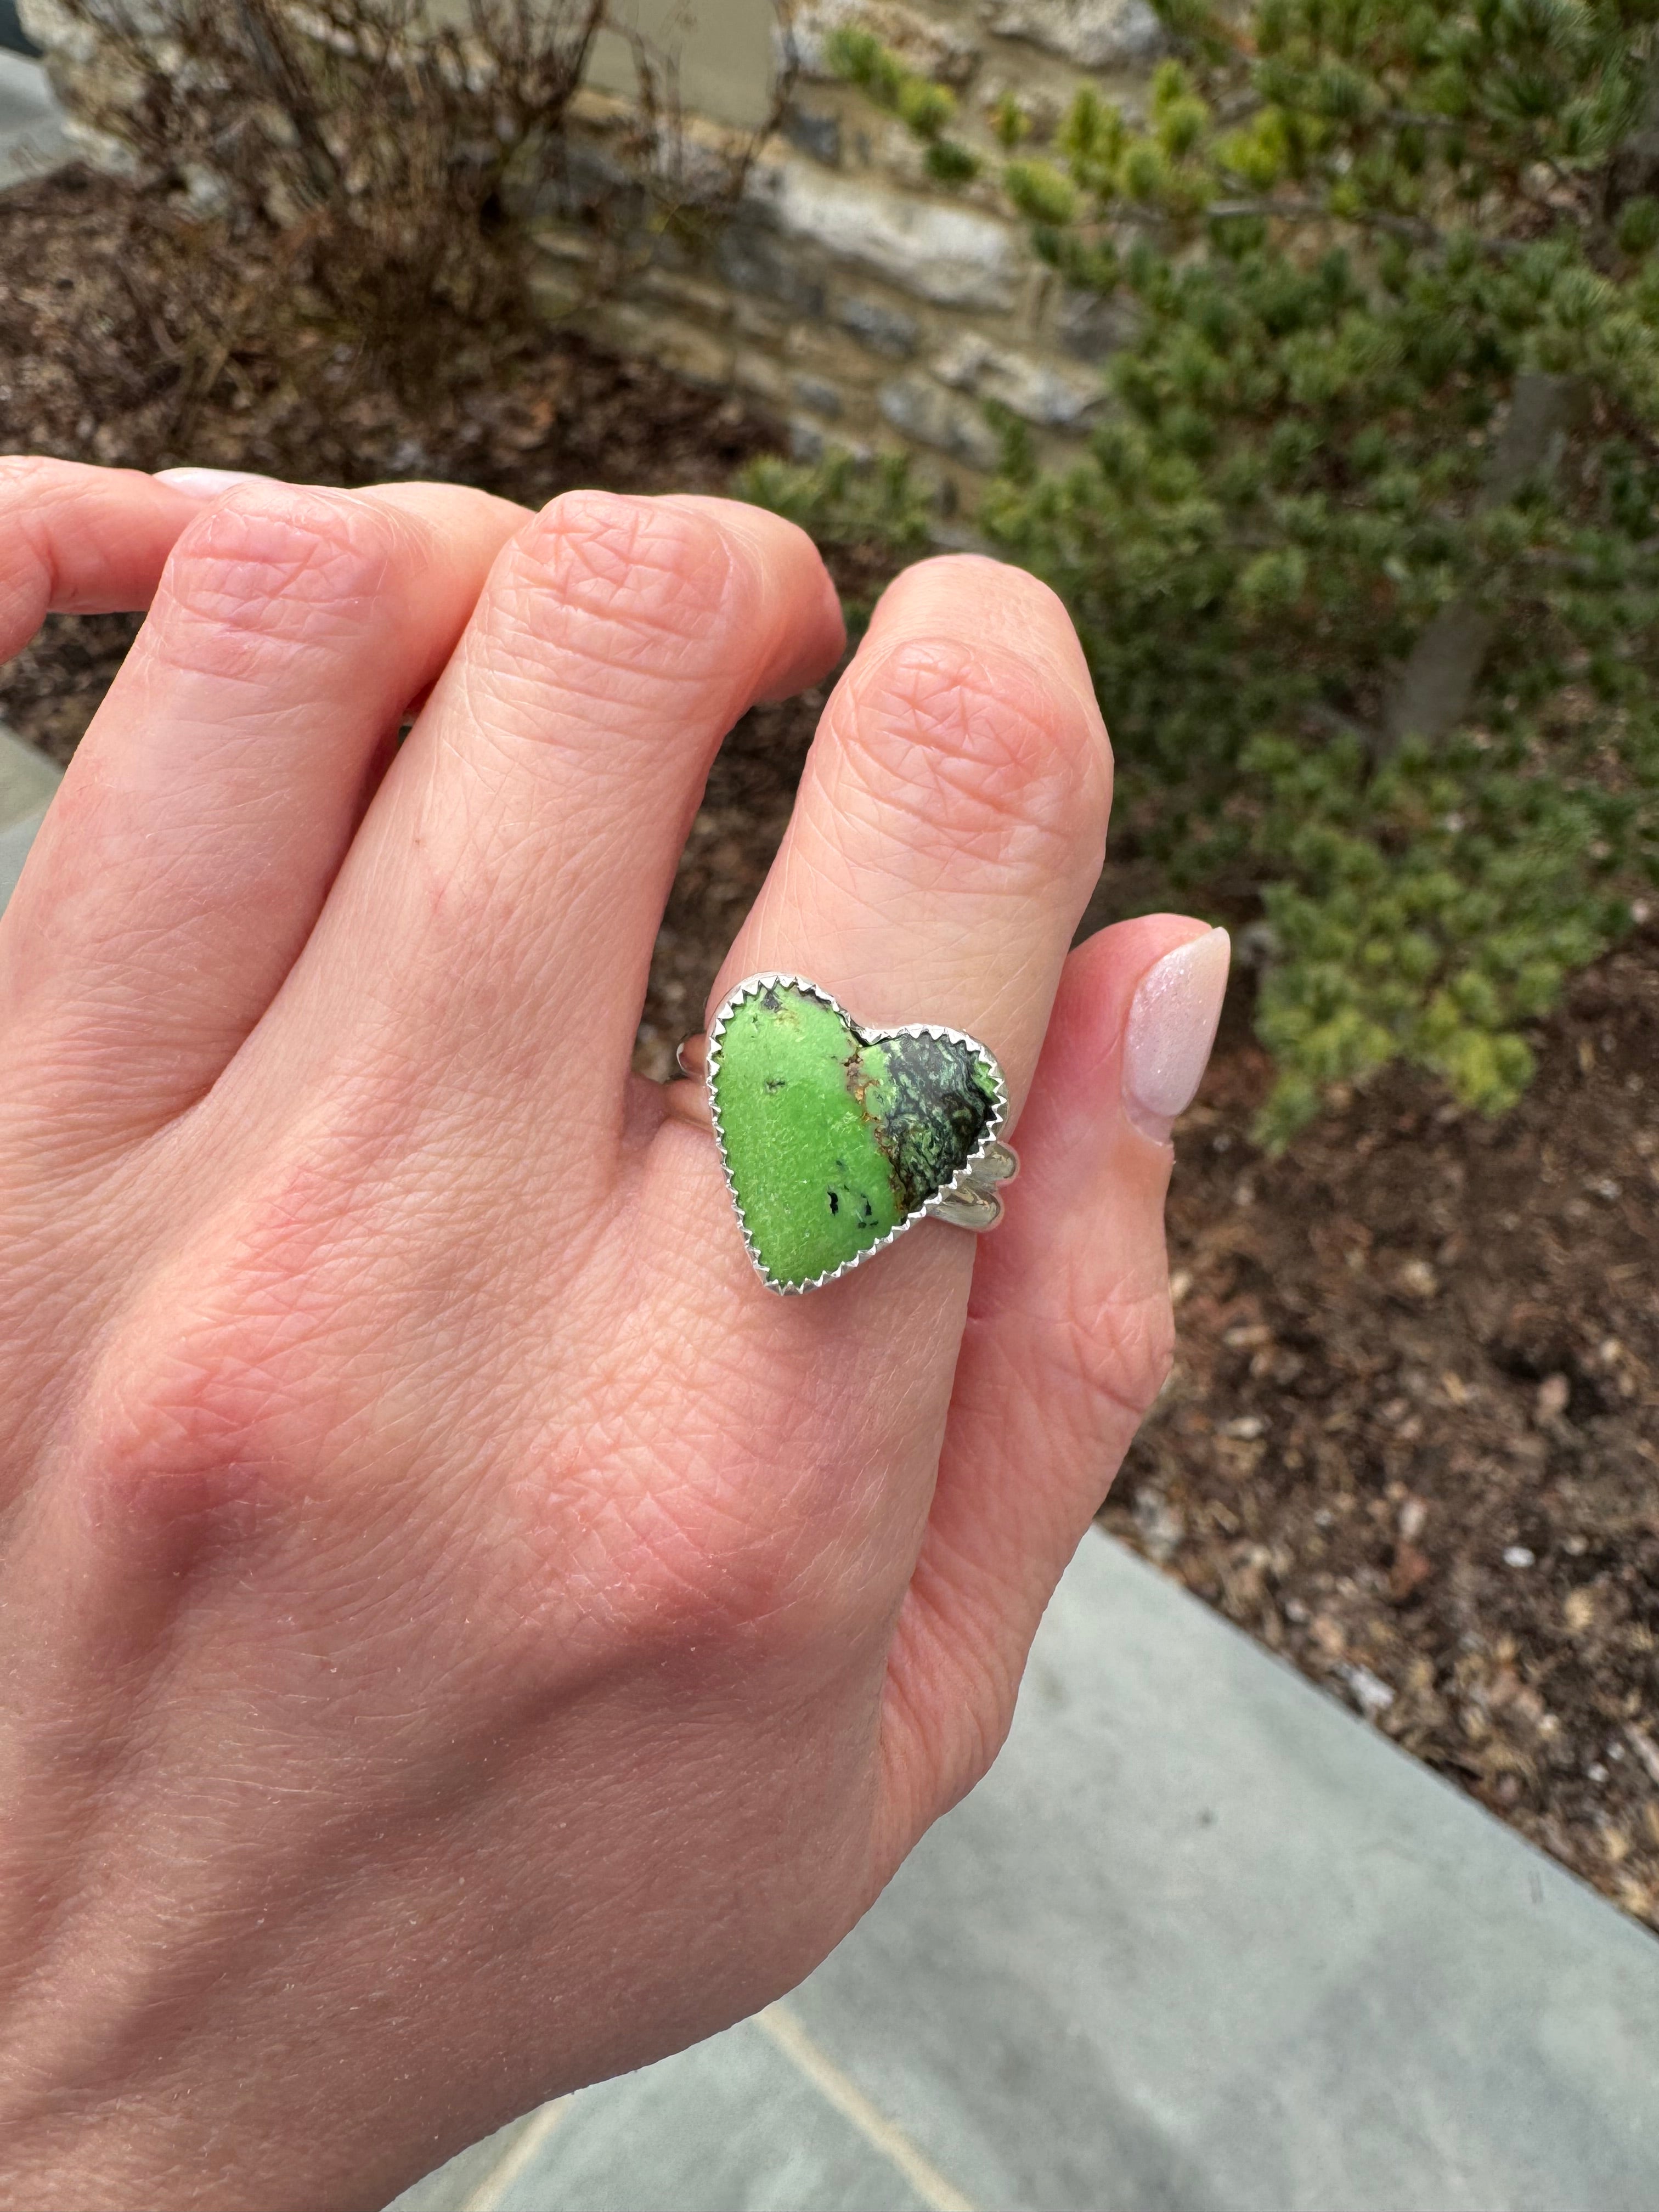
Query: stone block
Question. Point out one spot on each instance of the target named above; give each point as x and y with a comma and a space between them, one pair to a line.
920, 409
884, 330
709, 303
818, 393
1091, 326
1056, 398
818, 135
684, 347
759, 375
761, 321
941, 253
753, 258
942, 49
1093, 34
807, 443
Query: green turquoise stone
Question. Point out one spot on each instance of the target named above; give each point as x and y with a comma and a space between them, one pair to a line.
834, 1136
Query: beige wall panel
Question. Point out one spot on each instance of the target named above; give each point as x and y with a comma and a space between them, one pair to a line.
723, 50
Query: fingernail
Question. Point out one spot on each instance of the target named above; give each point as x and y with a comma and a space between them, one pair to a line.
1171, 1027
207, 483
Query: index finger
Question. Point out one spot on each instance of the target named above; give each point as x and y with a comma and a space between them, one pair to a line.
80, 540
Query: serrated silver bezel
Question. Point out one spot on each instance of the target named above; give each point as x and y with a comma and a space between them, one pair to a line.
751, 987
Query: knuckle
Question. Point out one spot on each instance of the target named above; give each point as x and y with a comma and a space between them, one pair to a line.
968, 737
708, 1576
986, 1713
227, 1382
1119, 1349
26, 476
286, 569
636, 585
185, 1437
32, 494
725, 1540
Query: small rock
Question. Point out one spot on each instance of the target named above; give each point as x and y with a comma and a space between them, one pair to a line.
1160, 1527
1577, 1611
1369, 1691
1646, 1749
1092, 328
1410, 1570
813, 392
1039, 394
1553, 1393
1327, 1635
1517, 1555
806, 443
1417, 1279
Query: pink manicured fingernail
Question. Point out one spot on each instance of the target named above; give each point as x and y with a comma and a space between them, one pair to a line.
207, 483
1171, 1030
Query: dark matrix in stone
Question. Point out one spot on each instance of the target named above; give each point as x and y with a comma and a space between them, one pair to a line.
932, 1107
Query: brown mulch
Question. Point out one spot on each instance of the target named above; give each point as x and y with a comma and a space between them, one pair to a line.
89, 370
1411, 1440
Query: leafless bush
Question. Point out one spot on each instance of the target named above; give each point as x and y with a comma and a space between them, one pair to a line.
368, 164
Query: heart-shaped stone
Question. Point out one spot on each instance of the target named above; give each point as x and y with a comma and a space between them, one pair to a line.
836, 1138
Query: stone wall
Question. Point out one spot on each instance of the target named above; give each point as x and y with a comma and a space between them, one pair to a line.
868, 307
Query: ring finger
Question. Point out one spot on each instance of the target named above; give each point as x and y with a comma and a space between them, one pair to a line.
951, 820
947, 835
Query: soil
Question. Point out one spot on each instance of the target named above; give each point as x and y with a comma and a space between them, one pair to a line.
1411, 1438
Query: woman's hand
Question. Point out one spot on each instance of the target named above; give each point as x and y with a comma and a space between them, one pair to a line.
463, 1634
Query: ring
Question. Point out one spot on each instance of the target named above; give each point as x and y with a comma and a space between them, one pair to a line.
835, 1139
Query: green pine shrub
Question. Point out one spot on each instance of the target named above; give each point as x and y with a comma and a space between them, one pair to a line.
1366, 555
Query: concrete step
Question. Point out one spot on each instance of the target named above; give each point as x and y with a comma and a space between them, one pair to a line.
27, 780
32, 135
1202, 1940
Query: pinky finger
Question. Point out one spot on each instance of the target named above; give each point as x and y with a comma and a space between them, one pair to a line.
1068, 1341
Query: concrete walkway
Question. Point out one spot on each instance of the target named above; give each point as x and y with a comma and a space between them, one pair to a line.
27, 780
31, 126
1201, 1942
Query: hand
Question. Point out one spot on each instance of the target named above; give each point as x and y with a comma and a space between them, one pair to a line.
463, 1634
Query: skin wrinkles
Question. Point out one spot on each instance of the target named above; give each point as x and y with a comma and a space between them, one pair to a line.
972, 603
596, 578
983, 705
956, 760
247, 581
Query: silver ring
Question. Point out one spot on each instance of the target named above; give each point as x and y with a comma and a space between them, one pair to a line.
835, 1139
